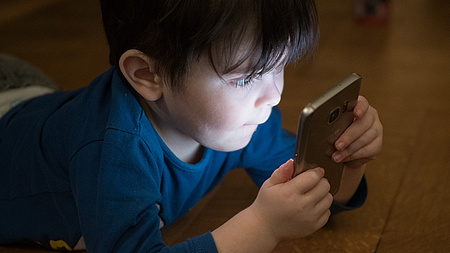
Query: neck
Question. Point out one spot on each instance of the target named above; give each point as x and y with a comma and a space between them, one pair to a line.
184, 147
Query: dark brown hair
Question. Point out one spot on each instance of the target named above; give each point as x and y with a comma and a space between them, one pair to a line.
177, 32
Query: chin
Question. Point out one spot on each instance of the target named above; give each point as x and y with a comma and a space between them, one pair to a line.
230, 146
231, 149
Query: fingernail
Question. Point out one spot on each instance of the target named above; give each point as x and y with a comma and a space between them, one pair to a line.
336, 157
340, 145
322, 171
286, 164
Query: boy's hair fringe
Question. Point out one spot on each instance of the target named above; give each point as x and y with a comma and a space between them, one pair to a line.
176, 32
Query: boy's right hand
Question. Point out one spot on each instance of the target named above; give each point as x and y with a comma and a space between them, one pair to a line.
293, 208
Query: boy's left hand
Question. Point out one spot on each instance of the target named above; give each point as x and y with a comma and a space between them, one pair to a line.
362, 140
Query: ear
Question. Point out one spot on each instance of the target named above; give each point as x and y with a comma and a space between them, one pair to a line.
139, 70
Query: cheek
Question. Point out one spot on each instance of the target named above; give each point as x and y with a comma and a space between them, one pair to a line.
219, 123
223, 117
214, 112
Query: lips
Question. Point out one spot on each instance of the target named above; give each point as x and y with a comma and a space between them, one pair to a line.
261, 121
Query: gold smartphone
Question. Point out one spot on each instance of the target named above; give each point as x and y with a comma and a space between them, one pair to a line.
320, 124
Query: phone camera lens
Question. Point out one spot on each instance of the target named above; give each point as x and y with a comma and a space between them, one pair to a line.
334, 114
345, 106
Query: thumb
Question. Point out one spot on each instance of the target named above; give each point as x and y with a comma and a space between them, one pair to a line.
282, 174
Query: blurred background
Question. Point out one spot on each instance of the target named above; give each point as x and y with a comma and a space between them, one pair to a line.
404, 62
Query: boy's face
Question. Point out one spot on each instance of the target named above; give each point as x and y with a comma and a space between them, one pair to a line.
221, 114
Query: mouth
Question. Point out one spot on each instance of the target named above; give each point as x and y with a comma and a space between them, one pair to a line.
259, 122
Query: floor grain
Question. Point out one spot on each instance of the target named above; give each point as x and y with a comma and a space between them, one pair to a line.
406, 77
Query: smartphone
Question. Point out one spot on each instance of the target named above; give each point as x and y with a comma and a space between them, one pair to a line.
320, 124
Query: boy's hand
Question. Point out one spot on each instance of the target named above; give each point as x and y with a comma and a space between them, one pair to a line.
284, 208
362, 141
293, 207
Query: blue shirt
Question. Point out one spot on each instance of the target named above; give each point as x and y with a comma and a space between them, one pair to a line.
89, 164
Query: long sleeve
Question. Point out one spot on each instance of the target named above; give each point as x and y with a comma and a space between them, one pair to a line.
118, 198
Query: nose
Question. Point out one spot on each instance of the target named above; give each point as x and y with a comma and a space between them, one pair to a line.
271, 89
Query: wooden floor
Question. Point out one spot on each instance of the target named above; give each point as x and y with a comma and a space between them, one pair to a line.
406, 75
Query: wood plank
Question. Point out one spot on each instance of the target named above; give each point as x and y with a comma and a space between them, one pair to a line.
405, 71
420, 220
63, 38
11, 10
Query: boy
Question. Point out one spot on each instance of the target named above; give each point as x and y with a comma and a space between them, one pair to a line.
192, 94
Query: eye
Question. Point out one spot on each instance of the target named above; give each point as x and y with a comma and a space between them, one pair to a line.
246, 81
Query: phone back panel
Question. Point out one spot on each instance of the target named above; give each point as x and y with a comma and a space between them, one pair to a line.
320, 124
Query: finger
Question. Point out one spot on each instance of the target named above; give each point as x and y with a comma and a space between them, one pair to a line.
369, 151
316, 195
323, 210
367, 146
323, 220
319, 191
325, 202
356, 129
360, 158
361, 107
282, 174
368, 137
307, 180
